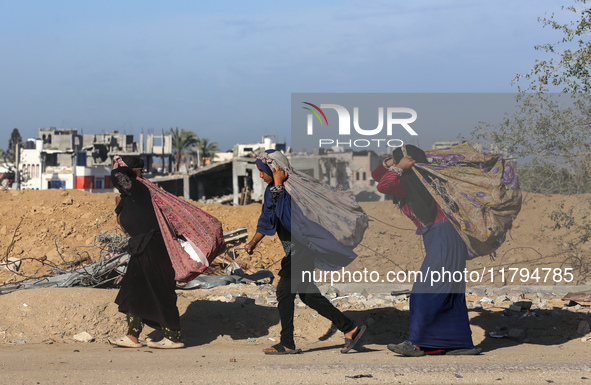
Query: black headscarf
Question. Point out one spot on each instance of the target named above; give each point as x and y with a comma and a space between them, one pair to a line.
133, 161
421, 203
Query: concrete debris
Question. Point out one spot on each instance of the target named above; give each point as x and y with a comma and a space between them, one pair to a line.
67, 201
332, 292
515, 307
500, 301
583, 298
524, 305
477, 291
353, 299
111, 264
83, 337
515, 295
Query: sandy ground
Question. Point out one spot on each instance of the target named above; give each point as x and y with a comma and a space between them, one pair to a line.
224, 339
224, 342
242, 363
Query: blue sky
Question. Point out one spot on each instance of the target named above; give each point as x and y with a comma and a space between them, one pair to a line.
226, 69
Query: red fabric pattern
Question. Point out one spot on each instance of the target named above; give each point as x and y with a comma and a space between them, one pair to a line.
389, 183
201, 228
196, 225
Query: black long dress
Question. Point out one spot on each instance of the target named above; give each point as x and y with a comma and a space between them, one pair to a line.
148, 287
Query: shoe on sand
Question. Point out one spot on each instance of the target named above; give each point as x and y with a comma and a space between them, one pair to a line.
351, 342
406, 348
280, 349
165, 343
464, 352
125, 342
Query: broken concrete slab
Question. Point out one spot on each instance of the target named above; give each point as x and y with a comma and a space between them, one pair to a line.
83, 337
515, 307
582, 297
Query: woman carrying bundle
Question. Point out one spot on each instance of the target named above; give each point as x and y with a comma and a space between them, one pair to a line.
147, 294
439, 321
279, 215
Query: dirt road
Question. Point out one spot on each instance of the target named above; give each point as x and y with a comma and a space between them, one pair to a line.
242, 362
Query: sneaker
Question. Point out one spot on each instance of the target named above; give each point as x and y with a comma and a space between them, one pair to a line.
406, 348
165, 343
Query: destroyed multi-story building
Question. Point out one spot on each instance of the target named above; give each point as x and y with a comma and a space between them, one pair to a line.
237, 180
63, 158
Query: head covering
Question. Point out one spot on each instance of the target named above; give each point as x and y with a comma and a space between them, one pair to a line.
133, 161
421, 203
264, 168
129, 161
335, 210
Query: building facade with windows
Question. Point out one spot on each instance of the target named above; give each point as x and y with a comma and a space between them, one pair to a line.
62, 158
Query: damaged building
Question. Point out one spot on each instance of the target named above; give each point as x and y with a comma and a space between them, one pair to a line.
63, 158
237, 180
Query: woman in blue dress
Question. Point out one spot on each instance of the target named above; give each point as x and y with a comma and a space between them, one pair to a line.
439, 322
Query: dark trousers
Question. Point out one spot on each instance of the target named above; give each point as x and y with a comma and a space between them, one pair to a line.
310, 295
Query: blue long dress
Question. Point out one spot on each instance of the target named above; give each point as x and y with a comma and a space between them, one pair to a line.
438, 312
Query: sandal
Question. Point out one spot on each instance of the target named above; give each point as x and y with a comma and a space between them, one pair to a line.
280, 349
463, 352
406, 348
125, 342
165, 343
351, 342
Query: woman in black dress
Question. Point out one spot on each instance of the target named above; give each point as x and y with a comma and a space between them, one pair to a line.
147, 294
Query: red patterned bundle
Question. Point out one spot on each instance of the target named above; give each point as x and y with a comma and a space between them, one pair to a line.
199, 228
193, 237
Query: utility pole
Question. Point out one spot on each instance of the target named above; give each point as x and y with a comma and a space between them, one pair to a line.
17, 157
